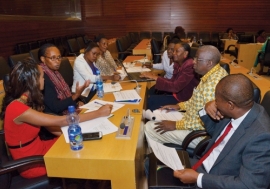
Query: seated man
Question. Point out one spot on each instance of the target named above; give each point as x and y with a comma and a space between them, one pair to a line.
238, 154
206, 63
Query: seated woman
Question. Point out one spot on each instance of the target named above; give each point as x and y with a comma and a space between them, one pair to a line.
181, 84
260, 58
57, 94
105, 62
261, 36
22, 113
229, 34
167, 60
85, 68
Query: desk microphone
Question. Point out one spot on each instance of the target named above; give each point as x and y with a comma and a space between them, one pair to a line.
125, 119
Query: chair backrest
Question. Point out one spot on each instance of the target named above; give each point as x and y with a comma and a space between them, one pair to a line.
145, 35
22, 48
73, 46
33, 45
157, 36
155, 51
81, 42
34, 55
192, 34
66, 71
41, 42
205, 36
5, 69
225, 66
266, 102
50, 40
256, 93
6, 82
193, 51
13, 59
266, 57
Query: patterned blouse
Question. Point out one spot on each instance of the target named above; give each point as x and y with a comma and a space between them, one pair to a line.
106, 64
204, 93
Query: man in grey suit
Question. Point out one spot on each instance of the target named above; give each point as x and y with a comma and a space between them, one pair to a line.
242, 159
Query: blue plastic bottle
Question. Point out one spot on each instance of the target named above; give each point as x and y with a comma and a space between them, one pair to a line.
74, 130
99, 84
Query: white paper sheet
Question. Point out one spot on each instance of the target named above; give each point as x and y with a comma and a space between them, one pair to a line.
165, 154
96, 104
159, 115
127, 96
108, 87
137, 69
99, 124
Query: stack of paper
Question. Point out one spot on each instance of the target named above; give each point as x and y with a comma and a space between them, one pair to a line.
159, 115
127, 96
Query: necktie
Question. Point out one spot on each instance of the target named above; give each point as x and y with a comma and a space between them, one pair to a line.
199, 163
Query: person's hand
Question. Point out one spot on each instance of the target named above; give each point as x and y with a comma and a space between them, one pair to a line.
212, 111
79, 89
116, 77
105, 110
80, 103
149, 75
186, 175
165, 126
170, 107
148, 65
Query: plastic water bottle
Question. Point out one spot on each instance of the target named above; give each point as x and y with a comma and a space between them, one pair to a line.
99, 84
74, 130
201, 44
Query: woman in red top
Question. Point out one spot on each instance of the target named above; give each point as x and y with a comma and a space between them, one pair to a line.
23, 117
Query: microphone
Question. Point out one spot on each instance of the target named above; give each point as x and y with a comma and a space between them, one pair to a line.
137, 85
126, 120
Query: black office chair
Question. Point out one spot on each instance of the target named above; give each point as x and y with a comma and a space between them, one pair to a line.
205, 37
66, 71
10, 178
5, 69
155, 51
266, 55
34, 54
33, 45
73, 46
41, 42
145, 35
191, 35
215, 40
22, 48
13, 59
266, 102
81, 42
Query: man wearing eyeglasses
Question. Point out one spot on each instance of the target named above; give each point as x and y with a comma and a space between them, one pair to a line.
206, 64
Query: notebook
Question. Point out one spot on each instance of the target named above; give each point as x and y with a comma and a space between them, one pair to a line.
135, 75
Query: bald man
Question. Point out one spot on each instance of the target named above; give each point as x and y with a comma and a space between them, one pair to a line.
242, 159
206, 63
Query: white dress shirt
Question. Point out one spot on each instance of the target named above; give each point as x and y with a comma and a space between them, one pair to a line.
165, 65
210, 160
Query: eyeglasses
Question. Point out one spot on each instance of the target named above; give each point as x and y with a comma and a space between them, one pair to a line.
196, 59
54, 58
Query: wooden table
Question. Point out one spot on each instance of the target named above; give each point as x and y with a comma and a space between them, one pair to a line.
2, 95
118, 160
144, 47
261, 82
247, 54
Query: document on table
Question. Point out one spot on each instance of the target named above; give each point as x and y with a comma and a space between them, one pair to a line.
99, 124
127, 96
96, 104
108, 87
159, 115
165, 154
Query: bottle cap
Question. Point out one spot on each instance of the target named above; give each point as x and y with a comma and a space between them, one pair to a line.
71, 109
98, 72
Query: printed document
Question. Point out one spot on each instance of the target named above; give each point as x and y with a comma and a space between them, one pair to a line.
159, 115
127, 96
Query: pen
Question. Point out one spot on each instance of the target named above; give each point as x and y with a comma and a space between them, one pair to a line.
99, 103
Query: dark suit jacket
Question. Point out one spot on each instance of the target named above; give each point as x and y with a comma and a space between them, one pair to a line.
245, 160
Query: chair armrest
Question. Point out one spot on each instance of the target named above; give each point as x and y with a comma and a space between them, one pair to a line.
19, 163
125, 52
200, 148
191, 136
228, 48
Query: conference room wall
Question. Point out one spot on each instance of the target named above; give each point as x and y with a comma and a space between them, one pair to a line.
117, 17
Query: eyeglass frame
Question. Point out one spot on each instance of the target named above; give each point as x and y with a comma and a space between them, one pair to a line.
53, 58
196, 59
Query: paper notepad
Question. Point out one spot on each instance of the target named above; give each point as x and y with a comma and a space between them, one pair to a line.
108, 87
127, 96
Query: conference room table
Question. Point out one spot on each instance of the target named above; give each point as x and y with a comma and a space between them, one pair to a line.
228, 42
247, 54
144, 47
117, 160
262, 83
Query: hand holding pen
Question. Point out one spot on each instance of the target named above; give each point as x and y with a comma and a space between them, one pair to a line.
105, 109
212, 111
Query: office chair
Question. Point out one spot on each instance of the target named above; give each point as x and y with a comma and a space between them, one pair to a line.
73, 46
33, 45
157, 36
145, 35
50, 40
13, 59
81, 42
122, 48
215, 40
191, 35
41, 42
266, 55
5, 69
34, 54
205, 36
66, 71
22, 48
266, 102
155, 51
10, 178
